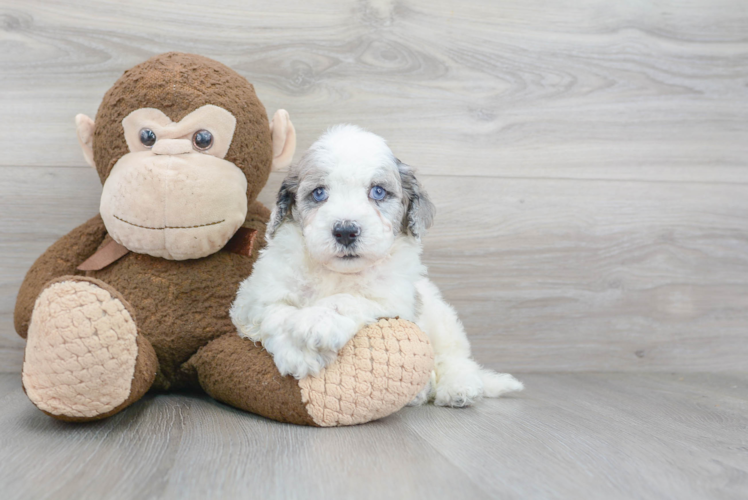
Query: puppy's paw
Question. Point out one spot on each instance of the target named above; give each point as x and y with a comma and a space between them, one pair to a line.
320, 329
310, 341
458, 382
459, 391
299, 362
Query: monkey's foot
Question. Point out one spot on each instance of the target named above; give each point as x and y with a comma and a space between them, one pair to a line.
84, 358
382, 368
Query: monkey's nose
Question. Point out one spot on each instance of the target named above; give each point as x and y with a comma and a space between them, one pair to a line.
346, 232
172, 147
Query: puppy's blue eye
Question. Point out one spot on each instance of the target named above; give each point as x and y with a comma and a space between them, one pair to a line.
320, 194
377, 193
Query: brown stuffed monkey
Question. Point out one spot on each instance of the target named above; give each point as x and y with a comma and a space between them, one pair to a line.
137, 298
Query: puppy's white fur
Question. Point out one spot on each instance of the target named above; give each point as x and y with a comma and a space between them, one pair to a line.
308, 295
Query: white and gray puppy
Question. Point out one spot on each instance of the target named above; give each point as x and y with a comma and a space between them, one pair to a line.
343, 251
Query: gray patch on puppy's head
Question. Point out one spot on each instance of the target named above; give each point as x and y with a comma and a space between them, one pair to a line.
284, 203
420, 212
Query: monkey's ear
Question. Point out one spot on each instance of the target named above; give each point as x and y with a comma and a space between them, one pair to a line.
85, 128
284, 139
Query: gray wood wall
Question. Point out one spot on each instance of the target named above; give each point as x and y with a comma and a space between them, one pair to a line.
588, 158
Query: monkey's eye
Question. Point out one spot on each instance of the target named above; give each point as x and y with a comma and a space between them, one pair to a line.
147, 137
202, 140
320, 194
377, 193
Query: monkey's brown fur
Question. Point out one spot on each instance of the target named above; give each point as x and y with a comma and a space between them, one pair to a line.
185, 337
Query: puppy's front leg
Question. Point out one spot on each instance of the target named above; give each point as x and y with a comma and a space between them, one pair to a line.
302, 341
305, 340
359, 309
309, 340
320, 331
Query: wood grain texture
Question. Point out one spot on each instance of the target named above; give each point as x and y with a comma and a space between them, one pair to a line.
588, 159
654, 436
602, 436
586, 89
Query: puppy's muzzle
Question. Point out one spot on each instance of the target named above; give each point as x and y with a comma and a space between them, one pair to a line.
346, 232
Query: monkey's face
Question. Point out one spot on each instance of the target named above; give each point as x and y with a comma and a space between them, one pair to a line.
196, 150
174, 195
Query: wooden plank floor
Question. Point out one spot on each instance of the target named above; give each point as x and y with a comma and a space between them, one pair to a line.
573, 436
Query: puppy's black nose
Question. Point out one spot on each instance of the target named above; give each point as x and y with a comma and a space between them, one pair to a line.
346, 232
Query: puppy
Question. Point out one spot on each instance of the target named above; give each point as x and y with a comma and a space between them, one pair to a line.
344, 246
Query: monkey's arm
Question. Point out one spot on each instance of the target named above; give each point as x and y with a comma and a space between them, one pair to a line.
61, 259
257, 217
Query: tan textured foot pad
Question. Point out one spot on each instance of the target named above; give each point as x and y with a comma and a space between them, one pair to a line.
378, 372
81, 351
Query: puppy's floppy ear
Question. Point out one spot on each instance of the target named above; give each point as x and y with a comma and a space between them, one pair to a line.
284, 203
420, 211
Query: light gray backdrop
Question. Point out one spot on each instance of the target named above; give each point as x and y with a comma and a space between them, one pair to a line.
589, 162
